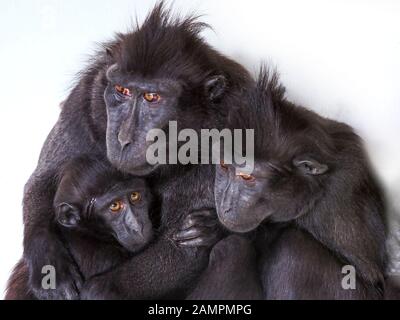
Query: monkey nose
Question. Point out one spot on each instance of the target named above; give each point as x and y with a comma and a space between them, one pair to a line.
124, 141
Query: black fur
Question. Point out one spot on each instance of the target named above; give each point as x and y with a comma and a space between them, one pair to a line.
162, 47
18, 284
310, 221
92, 242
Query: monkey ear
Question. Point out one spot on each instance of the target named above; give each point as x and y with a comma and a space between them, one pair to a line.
110, 71
112, 50
67, 215
109, 52
110, 55
310, 166
215, 87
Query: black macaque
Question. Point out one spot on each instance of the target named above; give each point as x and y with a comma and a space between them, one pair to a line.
95, 200
103, 217
162, 71
312, 199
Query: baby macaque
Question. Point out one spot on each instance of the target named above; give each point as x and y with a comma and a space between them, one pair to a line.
99, 201
103, 217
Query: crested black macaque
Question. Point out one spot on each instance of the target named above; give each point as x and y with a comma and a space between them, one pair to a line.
95, 200
103, 217
312, 199
162, 71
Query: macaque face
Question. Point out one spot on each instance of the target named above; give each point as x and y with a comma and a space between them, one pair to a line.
281, 192
239, 199
137, 105
125, 211
122, 212
134, 107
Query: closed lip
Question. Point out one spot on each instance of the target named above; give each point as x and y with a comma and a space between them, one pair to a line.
234, 226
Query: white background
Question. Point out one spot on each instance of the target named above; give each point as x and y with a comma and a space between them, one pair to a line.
340, 58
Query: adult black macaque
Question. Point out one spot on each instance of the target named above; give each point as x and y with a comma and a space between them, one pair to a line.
311, 198
162, 71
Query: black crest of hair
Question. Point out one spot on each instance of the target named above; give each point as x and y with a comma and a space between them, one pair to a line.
279, 125
169, 45
165, 46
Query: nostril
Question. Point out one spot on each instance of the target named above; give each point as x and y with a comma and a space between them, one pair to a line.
124, 144
123, 141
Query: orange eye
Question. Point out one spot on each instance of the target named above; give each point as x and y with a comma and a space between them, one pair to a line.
116, 206
223, 165
151, 97
123, 91
135, 197
247, 177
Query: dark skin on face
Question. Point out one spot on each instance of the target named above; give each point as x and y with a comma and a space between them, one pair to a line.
244, 201
122, 212
136, 105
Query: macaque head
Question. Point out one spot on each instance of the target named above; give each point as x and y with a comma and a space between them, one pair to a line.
135, 106
279, 191
162, 71
106, 206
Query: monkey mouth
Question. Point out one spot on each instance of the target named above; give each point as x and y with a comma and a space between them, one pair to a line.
142, 170
135, 167
138, 243
234, 226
